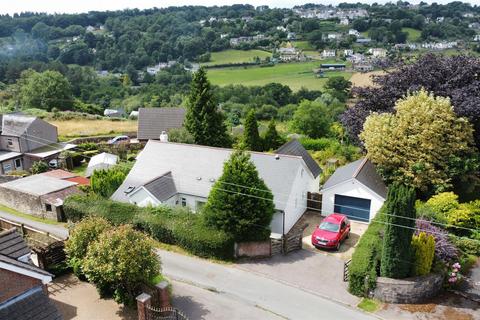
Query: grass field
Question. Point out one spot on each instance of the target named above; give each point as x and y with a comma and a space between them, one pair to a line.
303, 45
295, 75
413, 34
82, 128
236, 56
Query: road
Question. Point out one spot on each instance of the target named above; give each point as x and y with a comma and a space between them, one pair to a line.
56, 230
280, 299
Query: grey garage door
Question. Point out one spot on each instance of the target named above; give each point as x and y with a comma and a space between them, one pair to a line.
353, 208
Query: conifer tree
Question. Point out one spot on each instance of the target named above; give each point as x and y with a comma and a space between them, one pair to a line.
272, 139
251, 137
203, 120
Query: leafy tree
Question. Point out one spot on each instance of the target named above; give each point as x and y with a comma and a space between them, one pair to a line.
80, 237
312, 118
423, 145
46, 90
203, 120
424, 251
105, 182
240, 202
272, 140
251, 137
339, 86
119, 261
39, 167
400, 217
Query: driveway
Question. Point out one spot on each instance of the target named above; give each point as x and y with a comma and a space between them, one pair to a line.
313, 219
317, 272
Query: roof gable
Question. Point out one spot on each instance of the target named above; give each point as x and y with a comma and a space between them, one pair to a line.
152, 121
24, 268
295, 148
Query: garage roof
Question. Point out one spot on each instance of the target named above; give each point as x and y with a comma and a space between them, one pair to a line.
363, 171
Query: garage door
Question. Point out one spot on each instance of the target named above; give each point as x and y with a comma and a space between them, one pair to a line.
354, 208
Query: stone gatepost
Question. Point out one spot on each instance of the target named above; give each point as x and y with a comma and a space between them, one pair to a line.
143, 301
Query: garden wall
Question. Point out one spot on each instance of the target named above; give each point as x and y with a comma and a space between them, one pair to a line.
409, 290
253, 249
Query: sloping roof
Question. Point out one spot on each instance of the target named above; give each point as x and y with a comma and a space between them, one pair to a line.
38, 185
362, 170
59, 174
50, 150
152, 121
162, 188
101, 161
6, 155
12, 244
195, 168
56, 198
16, 124
33, 304
295, 148
25, 266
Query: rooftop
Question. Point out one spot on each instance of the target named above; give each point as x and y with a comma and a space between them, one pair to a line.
33, 304
152, 121
12, 244
38, 185
6, 155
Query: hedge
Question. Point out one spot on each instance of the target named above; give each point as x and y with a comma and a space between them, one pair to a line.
466, 245
315, 144
169, 225
366, 258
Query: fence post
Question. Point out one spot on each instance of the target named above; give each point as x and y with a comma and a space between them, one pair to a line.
163, 294
143, 302
22, 228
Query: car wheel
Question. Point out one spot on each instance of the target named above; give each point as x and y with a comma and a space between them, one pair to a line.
337, 247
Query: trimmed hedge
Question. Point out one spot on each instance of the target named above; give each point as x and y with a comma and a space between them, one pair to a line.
366, 258
176, 225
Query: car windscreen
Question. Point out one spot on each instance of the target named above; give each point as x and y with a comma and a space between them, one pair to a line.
328, 226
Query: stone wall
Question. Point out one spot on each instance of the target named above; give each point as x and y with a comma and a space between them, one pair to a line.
409, 290
253, 249
23, 202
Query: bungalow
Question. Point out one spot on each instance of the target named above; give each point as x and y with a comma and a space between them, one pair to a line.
182, 174
355, 190
23, 293
25, 140
153, 121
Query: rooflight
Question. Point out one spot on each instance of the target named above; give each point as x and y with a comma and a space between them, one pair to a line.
129, 189
199, 178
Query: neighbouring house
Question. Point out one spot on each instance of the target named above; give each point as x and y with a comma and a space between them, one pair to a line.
328, 53
344, 21
114, 113
25, 140
476, 38
291, 36
348, 52
38, 195
153, 70
378, 52
101, 161
23, 290
353, 32
152, 121
356, 190
290, 53
183, 174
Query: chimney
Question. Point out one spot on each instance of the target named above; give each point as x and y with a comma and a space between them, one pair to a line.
164, 137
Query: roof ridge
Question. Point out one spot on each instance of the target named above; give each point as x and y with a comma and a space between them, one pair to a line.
362, 164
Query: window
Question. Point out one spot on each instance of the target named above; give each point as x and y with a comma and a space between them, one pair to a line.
48, 207
10, 142
184, 202
7, 167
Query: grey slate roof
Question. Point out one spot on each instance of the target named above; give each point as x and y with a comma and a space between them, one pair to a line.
152, 121
38, 185
363, 171
24, 265
12, 244
295, 148
162, 188
16, 124
33, 304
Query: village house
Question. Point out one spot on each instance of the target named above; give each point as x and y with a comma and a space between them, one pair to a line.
23, 290
153, 121
290, 53
348, 52
328, 53
25, 140
182, 174
378, 52
353, 32
363, 40
355, 190
153, 70
291, 36
344, 21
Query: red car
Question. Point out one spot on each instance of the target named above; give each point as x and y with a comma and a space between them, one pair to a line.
331, 232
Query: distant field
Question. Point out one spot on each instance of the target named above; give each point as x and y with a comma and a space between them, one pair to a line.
413, 34
360, 79
79, 128
303, 45
295, 75
236, 56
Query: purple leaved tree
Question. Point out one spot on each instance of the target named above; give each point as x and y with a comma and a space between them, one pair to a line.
444, 249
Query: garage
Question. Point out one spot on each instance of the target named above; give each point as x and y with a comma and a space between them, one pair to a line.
354, 208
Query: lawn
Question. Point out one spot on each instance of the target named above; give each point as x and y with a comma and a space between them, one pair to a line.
295, 75
369, 305
236, 56
303, 45
413, 34
83, 128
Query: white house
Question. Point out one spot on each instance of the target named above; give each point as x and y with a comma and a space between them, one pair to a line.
182, 174
355, 190
353, 32
378, 52
348, 52
327, 53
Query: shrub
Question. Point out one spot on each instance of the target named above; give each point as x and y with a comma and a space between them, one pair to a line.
105, 182
84, 233
443, 203
39, 167
444, 249
366, 258
120, 261
424, 251
466, 245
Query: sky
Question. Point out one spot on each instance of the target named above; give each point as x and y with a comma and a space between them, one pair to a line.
77, 6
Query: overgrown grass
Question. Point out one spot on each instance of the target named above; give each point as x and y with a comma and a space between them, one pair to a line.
80, 170
369, 305
413, 34
236, 56
27, 216
68, 129
294, 75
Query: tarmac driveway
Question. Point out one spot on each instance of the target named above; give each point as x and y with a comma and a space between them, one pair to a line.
318, 273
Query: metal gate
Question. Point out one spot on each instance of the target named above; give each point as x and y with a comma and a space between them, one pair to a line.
165, 314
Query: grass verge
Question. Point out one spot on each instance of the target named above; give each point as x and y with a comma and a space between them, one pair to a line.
179, 250
369, 305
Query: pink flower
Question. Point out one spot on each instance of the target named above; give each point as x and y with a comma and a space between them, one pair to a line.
457, 265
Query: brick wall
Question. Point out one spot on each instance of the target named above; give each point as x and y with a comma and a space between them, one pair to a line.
14, 284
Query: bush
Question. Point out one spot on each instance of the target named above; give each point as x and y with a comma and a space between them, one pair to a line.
105, 182
424, 251
444, 249
466, 245
39, 167
84, 233
366, 258
120, 261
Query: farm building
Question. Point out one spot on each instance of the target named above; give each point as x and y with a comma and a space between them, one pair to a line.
355, 190
332, 66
